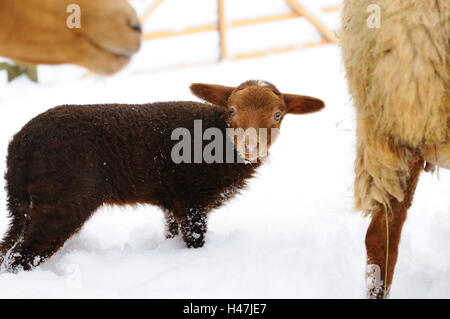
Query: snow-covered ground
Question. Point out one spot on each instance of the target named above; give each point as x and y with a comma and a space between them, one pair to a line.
292, 234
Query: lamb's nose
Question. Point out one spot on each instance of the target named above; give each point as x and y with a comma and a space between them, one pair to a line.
137, 27
250, 148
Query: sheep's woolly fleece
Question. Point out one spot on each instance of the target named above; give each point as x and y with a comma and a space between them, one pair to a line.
399, 76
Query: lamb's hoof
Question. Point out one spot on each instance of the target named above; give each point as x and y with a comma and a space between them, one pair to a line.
194, 241
14, 262
12, 266
195, 245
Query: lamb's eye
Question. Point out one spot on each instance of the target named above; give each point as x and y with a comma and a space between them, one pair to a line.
277, 116
232, 112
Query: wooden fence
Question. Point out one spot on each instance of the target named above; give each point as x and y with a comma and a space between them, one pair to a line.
297, 10
221, 26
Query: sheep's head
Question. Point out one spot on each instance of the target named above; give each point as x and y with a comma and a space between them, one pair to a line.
101, 35
256, 110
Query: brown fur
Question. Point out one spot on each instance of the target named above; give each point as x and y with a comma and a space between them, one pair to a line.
70, 160
398, 76
35, 32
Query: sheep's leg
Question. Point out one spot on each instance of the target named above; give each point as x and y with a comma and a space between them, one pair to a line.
172, 226
379, 278
193, 227
44, 234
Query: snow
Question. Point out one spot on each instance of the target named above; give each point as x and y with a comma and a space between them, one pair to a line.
292, 234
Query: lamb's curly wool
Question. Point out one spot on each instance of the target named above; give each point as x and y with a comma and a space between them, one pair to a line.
399, 78
70, 160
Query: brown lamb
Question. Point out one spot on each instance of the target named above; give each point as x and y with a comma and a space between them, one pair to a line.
67, 162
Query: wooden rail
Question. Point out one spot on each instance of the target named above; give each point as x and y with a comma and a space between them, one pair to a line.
213, 27
245, 22
222, 30
150, 10
297, 7
285, 49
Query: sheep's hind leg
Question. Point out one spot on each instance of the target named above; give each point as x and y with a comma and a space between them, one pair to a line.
44, 234
379, 277
172, 226
193, 227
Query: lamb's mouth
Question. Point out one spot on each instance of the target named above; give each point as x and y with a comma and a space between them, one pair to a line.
250, 156
258, 154
246, 155
254, 156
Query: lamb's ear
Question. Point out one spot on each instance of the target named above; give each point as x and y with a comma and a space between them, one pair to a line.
300, 104
212, 93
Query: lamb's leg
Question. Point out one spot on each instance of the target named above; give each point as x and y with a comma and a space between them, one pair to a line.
44, 234
379, 278
193, 227
172, 226
13, 234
